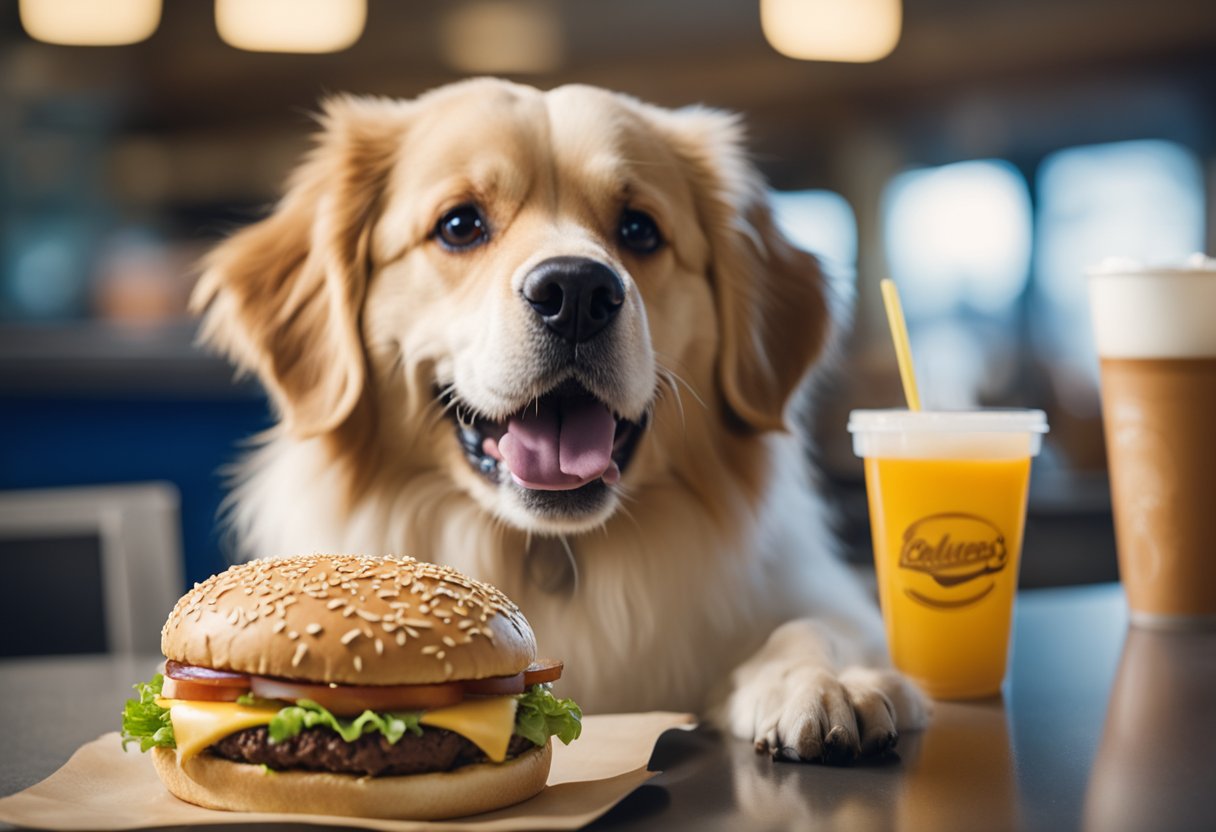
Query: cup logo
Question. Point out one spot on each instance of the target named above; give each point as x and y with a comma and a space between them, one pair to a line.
959, 552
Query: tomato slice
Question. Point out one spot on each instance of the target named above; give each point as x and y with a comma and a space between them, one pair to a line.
200, 691
205, 675
543, 670
495, 685
352, 700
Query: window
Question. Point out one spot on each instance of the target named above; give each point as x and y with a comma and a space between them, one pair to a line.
1142, 200
822, 222
958, 242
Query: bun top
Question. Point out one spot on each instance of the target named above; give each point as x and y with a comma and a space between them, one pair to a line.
349, 619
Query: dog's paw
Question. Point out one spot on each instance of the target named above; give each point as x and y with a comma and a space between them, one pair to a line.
796, 707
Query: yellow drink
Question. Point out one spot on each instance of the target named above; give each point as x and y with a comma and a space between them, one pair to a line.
947, 496
947, 543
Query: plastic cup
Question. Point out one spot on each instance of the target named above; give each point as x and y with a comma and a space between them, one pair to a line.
947, 495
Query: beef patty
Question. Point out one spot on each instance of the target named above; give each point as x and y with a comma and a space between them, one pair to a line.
319, 749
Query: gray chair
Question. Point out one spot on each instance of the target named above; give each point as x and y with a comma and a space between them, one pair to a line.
93, 569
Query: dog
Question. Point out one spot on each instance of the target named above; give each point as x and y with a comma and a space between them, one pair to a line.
551, 339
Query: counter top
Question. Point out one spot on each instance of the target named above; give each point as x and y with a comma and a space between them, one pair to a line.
1099, 728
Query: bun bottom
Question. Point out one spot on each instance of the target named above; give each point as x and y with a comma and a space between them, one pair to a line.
216, 783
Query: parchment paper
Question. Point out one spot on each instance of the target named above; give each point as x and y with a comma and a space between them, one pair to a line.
101, 787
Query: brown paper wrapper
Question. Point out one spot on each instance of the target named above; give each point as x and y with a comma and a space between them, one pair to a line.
101, 787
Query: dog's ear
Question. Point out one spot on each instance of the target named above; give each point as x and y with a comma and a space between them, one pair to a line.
283, 297
770, 295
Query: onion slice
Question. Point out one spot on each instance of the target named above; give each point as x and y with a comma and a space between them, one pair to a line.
352, 700
205, 675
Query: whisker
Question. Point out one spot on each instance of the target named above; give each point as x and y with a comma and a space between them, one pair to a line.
573, 561
691, 390
629, 514
669, 380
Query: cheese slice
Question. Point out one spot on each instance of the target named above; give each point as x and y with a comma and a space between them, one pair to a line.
197, 725
487, 723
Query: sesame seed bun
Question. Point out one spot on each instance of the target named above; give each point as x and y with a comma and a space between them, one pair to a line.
347, 619
216, 783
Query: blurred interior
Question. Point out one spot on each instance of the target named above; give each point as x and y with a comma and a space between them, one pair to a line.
1002, 147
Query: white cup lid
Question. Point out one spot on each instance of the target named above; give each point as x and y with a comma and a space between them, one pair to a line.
947, 434
995, 420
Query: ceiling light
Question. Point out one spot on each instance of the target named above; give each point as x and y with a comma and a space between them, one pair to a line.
89, 22
501, 37
308, 26
856, 31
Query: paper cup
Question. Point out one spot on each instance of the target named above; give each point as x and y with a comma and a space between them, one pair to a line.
1156, 341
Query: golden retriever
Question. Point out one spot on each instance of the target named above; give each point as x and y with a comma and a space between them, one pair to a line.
550, 338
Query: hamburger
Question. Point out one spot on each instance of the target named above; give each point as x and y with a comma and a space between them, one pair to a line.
347, 685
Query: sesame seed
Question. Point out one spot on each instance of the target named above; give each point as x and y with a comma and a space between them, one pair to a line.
440, 654
351, 635
334, 604
379, 647
298, 656
449, 641
313, 629
430, 649
368, 616
401, 638
293, 635
359, 663
447, 670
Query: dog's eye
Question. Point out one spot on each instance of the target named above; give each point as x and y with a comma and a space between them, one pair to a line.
639, 232
462, 227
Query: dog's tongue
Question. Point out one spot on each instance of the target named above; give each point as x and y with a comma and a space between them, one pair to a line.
560, 444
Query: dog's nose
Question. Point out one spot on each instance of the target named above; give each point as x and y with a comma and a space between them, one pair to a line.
576, 297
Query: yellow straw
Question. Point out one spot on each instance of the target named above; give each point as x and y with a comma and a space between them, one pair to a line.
903, 349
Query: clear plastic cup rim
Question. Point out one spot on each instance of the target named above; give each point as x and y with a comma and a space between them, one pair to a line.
994, 420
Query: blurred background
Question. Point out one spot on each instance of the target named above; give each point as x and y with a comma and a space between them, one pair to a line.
980, 152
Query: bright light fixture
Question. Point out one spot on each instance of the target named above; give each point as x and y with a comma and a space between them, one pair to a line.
89, 22
854, 31
501, 37
308, 26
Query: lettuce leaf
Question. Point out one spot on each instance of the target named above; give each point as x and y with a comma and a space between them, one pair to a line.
542, 715
293, 719
145, 722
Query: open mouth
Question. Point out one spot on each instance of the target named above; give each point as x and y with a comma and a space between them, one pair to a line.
562, 441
